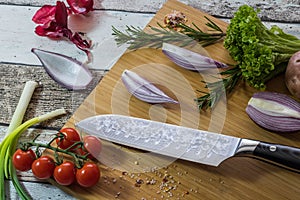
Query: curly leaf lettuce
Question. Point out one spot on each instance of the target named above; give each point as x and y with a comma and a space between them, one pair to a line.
260, 53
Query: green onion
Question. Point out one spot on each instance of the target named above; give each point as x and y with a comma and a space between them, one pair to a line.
24, 100
16, 121
9, 143
8, 147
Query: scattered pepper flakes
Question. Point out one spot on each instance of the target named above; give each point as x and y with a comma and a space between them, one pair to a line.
151, 182
132, 176
139, 181
137, 185
173, 19
118, 194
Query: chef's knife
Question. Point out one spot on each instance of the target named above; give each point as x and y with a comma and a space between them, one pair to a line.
185, 143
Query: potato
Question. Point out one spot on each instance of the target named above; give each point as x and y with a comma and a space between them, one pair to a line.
292, 75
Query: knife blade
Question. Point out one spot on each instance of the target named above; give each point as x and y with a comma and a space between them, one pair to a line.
185, 143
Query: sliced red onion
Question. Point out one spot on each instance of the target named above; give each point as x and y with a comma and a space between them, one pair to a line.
65, 70
143, 89
274, 111
189, 59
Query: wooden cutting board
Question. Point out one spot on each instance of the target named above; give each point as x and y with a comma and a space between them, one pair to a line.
236, 178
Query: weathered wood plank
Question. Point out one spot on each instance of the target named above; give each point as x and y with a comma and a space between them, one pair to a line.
47, 96
17, 41
286, 11
37, 191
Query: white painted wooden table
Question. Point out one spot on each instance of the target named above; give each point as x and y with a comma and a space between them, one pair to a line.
18, 64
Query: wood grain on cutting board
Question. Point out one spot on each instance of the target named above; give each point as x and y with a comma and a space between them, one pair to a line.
236, 178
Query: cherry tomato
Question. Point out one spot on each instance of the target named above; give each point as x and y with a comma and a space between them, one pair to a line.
93, 145
64, 174
70, 136
88, 175
43, 167
22, 160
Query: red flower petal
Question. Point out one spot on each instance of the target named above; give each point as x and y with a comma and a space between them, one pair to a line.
61, 14
57, 26
53, 22
51, 31
44, 15
80, 42
81, 6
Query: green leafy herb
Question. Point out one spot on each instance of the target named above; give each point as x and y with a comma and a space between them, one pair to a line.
260, 53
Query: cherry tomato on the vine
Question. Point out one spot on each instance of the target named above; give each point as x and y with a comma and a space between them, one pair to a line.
64, 174
67, 137
22, 160
93, 145
88, 175
43, 167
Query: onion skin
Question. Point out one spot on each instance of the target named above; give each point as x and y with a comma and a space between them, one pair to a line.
292, 75
143, 89
190, 60
275, 112
66, 71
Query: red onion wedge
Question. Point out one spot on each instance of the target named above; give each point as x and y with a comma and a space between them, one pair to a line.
189, 59
274, 111
143, 89
65, 70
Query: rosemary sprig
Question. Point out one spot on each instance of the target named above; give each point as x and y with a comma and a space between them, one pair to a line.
137, 37
203, 38
219, 88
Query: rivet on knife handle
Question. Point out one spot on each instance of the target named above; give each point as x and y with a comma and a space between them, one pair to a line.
283, 155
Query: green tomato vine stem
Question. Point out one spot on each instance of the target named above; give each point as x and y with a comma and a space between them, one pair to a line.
77, 158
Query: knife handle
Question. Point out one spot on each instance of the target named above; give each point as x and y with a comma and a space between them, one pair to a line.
285, 156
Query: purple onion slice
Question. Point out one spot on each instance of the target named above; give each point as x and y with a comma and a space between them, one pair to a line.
65, 70
189, 59
143, 89
274, 111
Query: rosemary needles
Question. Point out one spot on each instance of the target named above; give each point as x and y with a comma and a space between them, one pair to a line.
156, 36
